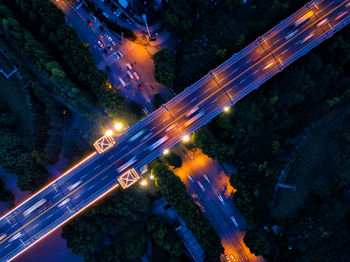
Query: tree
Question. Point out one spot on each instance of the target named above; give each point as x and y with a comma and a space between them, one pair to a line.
158, 100
173, 159
257, 242
164, 66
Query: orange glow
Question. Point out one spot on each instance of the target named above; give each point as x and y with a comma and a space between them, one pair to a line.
74, 167
186, 138
109, 132
101, 196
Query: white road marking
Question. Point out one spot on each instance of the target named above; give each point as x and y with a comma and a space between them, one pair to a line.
103, 178
77, 196
7, 245
83, 176
35, 226
111, 157
100, 165
49, 216
256, 71
243, 80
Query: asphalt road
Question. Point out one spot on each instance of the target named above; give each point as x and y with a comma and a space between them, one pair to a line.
185, 113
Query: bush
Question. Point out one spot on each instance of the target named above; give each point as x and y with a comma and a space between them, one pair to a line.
164, 66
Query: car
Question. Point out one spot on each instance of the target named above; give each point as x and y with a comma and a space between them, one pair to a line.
292, 34
136, 76
128, 21
255, 59
201, 186
140, 86
94, 17
340, 15
232, 257
63, 202
158, 143
2, 236
110, 48
105, 14
303, 19
137, 135
18, 235
234, 221
130, 74
38, 204
221, 200
128, 66
89, 22
307, 38
206, 178
227, 259
323, 21
112, 42
116, 55
127, 164
105, 51
122, 81
120, 54
100, 44
71, 187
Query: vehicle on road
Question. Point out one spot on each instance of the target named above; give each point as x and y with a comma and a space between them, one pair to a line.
302, 20
127, 164
232, 257
206, 178
158, 143
2, 236
18, 235
128, 66
292, 34
137, 135
193, 119
122, 82
192, 111
234, 221
105, 14
340, 15
63, 202
120, 54
255, 59
130, 74
140, 86
201, 186
71, 187
100, 44
221, 200
94, 17
323, 21
190, 178
227, 259
136, 75
34, 207
307, 38
89, 22
116, 55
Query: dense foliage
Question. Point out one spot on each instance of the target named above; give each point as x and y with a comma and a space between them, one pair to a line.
174, 192
39, 29
117, 228
164, 66
5, 195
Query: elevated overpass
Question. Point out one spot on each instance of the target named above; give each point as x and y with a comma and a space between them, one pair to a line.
98, 174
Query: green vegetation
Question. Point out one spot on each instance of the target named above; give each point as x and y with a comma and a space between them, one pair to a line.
211, 32
174, 192
5, 195
158, 100
164, 66
173, 159
117, 228
260, 133
12, 92
39, 29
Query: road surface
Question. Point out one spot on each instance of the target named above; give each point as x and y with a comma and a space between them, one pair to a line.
195, 106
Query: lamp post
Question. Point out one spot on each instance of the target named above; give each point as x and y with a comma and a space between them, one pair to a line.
144, 18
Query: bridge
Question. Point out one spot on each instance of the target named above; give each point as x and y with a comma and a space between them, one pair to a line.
120, 160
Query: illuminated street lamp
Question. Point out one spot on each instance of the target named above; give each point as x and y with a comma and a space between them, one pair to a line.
151, 176
186, 138
166, 151
143, 182
118, 126
226, 108
109, 132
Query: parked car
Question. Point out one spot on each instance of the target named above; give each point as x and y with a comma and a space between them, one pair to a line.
130, 74
136, 76
100, 44
105, 14
128, 66
120, 54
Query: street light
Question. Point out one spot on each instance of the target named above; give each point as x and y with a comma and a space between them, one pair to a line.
151, 177
109, 132
186, 138
226, 108
166, 151
143, 182
118, 126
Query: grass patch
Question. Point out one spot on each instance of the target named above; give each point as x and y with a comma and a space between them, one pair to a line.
12, 92
311, 170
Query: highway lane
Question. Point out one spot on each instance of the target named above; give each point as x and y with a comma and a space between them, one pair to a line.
99, 174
